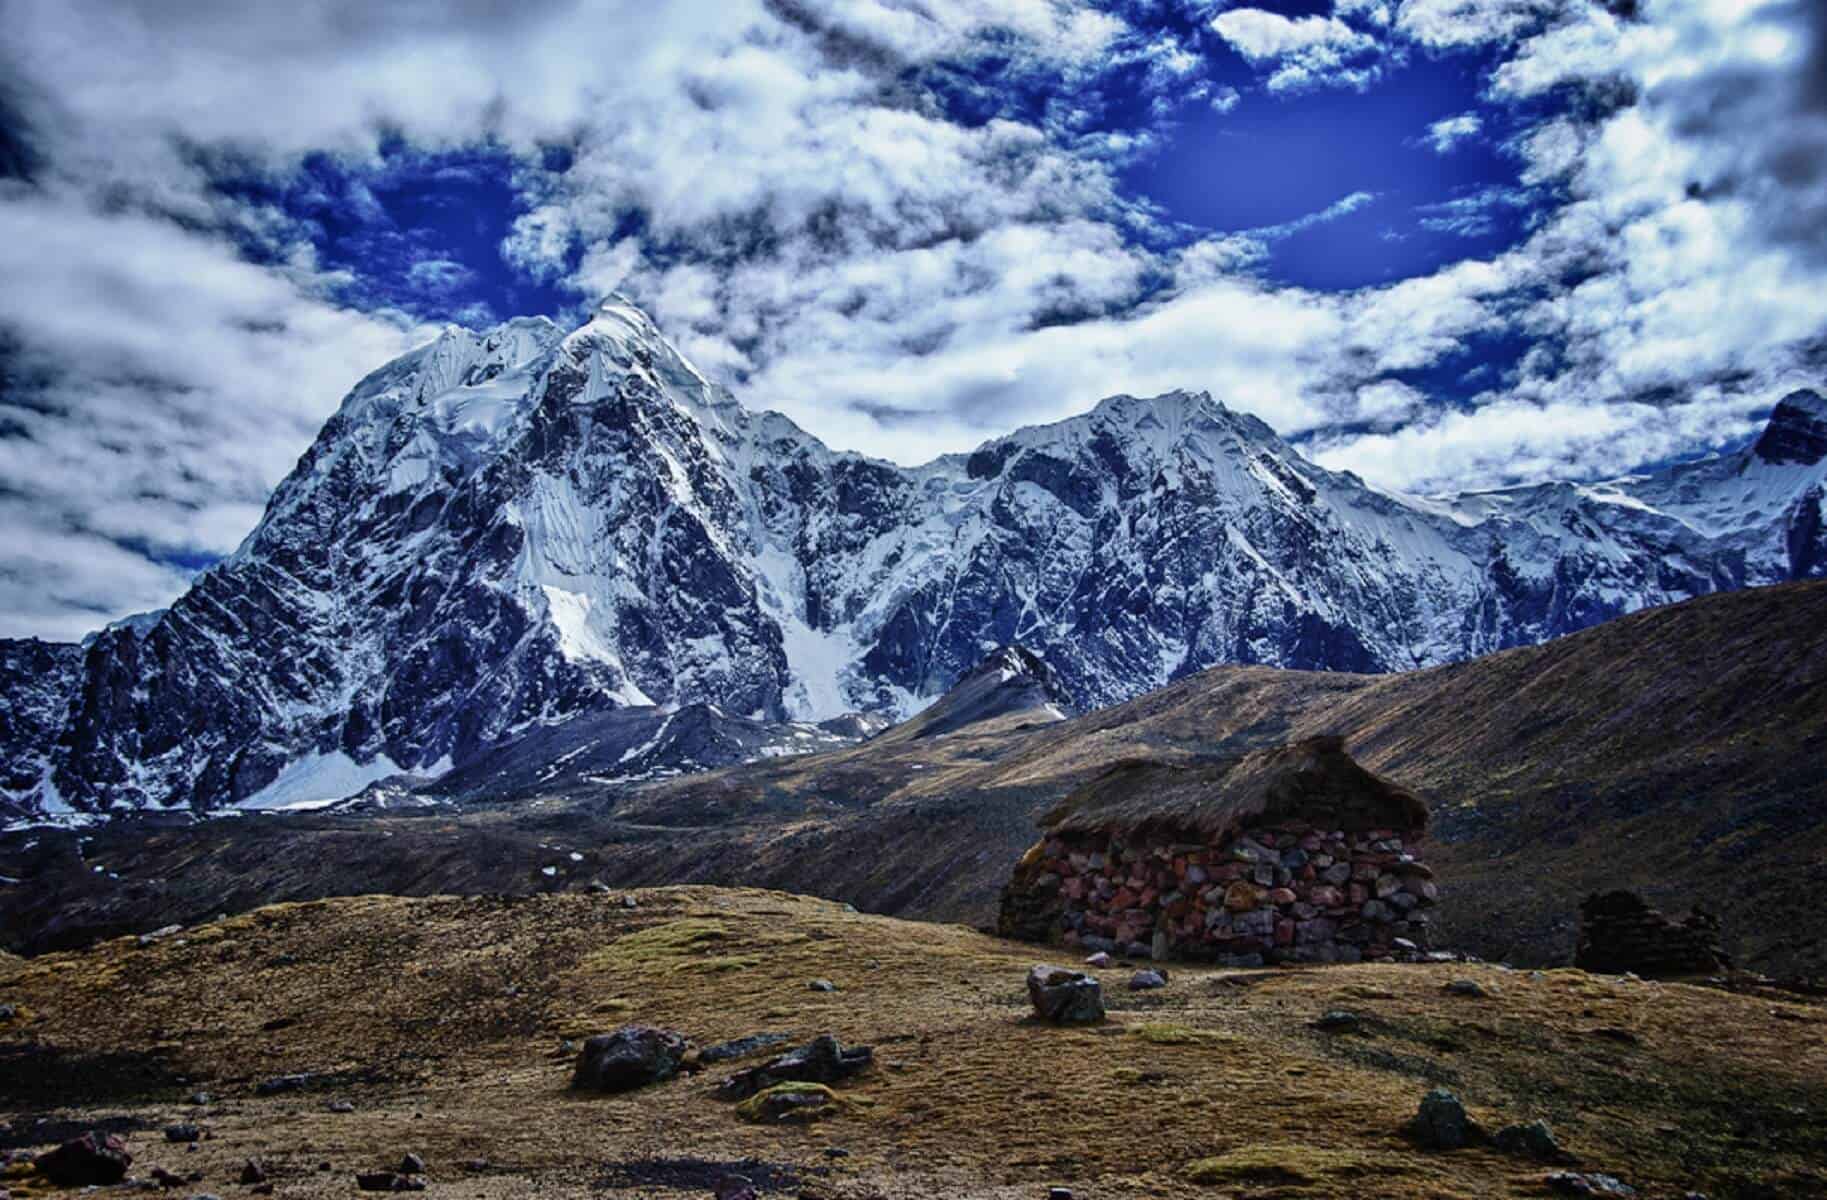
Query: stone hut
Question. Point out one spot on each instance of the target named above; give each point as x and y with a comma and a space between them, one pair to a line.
1291, 853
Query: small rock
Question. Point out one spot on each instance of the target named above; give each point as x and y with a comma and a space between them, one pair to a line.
282, 1083
822, 1060
166, 1179
93, 1158
1064, 996
411, 1164
340, 1106
388, 1181
8, 1011
790, 1103
1441, 1123
1059, 1193
201, 1098
1534, 1140
630, 902
599, 887
474, 1166
836, 1152
252, 1172
183, 1133
1337, 1021
1100, 959
822, 985
741, 1047
1572, 1183
1143, 981
736, 1187
1464, 987
630, 1057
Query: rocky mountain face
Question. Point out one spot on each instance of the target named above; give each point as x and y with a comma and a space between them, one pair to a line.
504, 530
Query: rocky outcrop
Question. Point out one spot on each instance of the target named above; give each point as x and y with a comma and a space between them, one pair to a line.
1620, 932
1282, 893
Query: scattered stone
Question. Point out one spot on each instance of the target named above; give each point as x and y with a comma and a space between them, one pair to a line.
158, 935
630, 1057
1059, 1193
388, 1181
1100, 959
201, 1098
822, 985
741, 1047
1613, 1033
8, 1011
1338, 1021
795, 1103
1441, 1122
1534, 1140
183, 1133
94, 1158
1143, 981
736, 1187
411, 1164
836, 1152
599, 887
282, 1083
1572, 1183
474, 1166
252, 1172
167, 1179
340, 1106
1064, 996
630, 902
1464, 987
822, 1060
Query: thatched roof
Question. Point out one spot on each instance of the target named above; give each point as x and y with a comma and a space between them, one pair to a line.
1314, 780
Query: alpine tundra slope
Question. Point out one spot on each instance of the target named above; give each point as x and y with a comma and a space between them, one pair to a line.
503, 530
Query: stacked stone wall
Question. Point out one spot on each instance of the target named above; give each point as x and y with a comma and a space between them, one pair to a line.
1290, 892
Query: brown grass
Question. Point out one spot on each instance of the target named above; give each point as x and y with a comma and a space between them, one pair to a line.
442, 1020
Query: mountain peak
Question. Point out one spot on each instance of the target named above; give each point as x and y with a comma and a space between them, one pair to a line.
1797, 431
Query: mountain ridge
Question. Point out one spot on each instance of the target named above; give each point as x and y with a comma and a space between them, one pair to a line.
501, 531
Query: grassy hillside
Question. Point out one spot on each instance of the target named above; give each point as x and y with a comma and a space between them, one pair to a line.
1682, 751
441, 1021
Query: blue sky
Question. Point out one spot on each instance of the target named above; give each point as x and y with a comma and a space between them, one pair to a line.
1444, 243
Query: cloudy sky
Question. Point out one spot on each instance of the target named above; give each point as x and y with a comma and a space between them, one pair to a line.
1443, 243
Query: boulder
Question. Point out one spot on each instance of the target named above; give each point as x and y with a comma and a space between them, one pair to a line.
822, 1060
90, 1160
1143, 981
1441, 1122
630, 1057
1534, 1140
1064, 996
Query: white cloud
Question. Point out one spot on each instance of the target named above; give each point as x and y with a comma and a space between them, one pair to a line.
1445, 134
1311, 51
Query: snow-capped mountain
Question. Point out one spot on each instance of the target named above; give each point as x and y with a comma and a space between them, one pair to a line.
503, 530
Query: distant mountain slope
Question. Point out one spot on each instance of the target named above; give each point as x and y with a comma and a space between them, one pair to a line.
504, 530
1681, 750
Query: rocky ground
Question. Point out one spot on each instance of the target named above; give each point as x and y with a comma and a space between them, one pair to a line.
448, 1028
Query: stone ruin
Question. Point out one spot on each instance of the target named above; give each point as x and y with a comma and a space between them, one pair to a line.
1620, 932
1294, 854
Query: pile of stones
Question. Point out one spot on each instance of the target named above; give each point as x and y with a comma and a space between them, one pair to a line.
1620, 932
